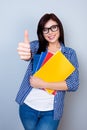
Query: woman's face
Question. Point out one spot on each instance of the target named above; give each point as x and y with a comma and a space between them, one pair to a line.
51, 31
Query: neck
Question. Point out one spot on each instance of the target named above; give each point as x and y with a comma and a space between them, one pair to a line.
53, 47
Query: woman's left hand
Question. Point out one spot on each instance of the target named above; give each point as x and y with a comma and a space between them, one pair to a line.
37, 82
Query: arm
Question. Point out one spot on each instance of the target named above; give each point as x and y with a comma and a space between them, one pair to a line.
73, 80
39, 83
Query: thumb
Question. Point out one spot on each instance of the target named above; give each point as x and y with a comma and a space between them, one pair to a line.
26, 39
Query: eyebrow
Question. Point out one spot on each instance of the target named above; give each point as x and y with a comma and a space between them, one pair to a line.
51, 26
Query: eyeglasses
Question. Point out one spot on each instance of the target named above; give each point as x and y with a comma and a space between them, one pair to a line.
53, 28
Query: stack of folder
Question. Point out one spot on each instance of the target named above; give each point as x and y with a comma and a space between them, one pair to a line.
53, 68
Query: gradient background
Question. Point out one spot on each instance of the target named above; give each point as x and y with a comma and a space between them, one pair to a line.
15, 17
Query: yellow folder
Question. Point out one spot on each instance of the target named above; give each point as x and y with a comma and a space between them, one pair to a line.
57, 68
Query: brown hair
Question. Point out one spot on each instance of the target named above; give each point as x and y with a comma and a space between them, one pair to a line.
43, 43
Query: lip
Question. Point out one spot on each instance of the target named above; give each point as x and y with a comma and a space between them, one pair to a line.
51, 37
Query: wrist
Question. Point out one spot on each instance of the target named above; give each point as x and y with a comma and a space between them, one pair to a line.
46, 85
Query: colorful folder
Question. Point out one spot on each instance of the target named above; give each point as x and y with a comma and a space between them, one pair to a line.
48, 56
42, 56
42, 59
35, 62
57, 68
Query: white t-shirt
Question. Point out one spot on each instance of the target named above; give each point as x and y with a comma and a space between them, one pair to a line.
39, 99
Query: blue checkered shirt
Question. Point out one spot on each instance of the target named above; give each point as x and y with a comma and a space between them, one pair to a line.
72, 81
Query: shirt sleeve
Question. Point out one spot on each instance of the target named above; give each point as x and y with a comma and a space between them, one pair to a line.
73, 80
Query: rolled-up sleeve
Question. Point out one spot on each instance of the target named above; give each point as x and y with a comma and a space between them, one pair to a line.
73, 80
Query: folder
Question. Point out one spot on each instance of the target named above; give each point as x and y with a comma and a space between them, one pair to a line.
42, 59
42, 56
35, 62
56, 69
48, 56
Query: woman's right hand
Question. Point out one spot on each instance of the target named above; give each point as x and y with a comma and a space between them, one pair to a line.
24, 48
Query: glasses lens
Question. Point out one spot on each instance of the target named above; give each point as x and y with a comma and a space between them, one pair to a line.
45, 30
54, 28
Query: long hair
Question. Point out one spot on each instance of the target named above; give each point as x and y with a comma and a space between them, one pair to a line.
43, 43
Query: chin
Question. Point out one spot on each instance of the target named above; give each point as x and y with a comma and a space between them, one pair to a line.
52, 41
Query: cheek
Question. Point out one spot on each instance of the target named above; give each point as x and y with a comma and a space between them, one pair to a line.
45, 36
58, 34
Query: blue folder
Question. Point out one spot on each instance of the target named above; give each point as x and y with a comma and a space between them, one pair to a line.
37, 61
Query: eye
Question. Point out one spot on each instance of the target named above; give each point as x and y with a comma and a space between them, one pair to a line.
45, 30
54, 27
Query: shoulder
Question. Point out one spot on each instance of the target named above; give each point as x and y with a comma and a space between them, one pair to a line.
34, 41
69, 50
34, 45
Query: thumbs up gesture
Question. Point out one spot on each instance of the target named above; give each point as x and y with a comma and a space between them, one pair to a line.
24, 48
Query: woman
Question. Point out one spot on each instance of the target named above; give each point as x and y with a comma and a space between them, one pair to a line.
38, 109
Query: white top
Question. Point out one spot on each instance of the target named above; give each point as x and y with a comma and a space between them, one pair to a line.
39, 99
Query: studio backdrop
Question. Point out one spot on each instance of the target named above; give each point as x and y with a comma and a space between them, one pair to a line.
15, 17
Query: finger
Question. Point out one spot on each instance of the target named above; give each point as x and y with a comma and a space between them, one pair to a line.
26, 39
24, 57
21, 49
24, 54
22, 44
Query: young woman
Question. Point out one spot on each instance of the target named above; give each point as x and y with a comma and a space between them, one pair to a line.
38, 109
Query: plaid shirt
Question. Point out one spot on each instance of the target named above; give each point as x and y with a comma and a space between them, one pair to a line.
72, 81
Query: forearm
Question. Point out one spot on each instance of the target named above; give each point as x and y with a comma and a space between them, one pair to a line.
39, 83
56, 85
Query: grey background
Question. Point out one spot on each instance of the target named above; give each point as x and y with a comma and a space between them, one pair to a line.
15, 17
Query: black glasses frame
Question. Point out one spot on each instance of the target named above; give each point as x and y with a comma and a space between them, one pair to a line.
50, 28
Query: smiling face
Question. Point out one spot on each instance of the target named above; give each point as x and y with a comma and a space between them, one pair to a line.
51, 31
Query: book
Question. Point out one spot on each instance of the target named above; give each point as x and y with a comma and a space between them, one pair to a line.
41, 58
56, 69
35, 62
48, 56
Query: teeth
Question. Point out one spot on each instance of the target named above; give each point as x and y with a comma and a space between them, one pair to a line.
51, 37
